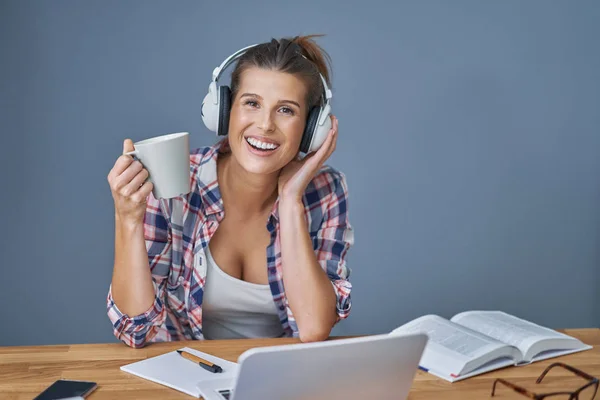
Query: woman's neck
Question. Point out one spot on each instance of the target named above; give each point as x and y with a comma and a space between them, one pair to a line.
253, 193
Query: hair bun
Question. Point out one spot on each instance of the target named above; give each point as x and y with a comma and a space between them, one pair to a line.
315, 53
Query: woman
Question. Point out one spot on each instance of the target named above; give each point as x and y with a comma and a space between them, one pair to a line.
195, 267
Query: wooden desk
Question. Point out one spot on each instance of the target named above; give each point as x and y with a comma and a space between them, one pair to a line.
26, 371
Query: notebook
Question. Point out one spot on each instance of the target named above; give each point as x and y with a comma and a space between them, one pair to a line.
174, 371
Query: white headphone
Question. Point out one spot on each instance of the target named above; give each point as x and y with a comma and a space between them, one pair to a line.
216, 107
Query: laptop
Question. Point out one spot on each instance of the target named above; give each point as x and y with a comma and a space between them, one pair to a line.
370, 367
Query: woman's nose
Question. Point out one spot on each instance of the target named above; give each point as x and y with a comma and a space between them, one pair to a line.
266, 122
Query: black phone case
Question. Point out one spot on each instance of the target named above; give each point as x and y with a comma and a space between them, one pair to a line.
65, 388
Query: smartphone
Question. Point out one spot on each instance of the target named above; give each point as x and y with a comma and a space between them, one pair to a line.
65, 388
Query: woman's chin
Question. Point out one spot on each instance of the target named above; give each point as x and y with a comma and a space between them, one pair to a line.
256, 162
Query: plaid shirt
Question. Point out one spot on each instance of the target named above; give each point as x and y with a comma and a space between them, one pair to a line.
178, 230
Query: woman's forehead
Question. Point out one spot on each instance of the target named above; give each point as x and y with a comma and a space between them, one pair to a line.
269, 84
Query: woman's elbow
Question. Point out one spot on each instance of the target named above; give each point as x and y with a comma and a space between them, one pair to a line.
314, 334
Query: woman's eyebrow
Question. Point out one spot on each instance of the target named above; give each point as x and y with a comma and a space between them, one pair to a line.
280, 101
290, 102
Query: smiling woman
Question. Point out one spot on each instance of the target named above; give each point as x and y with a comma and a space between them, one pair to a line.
267, 119
258, 247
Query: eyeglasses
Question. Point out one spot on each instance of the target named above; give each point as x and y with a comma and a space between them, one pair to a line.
585, 392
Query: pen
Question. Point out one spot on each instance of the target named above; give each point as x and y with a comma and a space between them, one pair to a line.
207, 365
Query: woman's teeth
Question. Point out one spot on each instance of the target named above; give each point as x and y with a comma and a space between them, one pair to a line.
257, 144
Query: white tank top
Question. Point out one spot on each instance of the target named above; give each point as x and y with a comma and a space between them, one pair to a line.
235, 309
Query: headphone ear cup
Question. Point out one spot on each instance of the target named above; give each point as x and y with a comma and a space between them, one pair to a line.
224, 110
309, 129
209, 112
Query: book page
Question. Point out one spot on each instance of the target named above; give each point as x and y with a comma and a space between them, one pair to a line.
451, 347
507, 328
454, 338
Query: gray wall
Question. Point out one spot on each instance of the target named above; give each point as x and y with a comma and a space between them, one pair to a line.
468, 133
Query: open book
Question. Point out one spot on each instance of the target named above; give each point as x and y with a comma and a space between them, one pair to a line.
474, 342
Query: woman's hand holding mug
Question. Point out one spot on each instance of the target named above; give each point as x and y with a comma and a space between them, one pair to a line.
162, 167
129, 186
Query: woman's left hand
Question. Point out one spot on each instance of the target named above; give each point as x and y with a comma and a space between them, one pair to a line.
295, 177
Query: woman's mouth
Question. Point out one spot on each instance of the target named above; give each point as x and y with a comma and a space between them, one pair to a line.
261, 147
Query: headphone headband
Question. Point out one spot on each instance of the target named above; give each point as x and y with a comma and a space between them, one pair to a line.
218, 70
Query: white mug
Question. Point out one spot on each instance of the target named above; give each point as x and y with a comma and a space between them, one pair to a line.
167, 159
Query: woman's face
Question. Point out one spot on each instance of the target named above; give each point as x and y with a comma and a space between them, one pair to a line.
267, 120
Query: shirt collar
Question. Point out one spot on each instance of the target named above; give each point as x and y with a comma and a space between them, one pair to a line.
210, 195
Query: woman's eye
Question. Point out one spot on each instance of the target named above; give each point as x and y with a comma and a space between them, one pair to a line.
254, 104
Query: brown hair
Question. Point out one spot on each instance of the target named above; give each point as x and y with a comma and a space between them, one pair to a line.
285, 55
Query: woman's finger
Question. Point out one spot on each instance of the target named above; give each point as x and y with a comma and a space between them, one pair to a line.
121, 164
126, 176
326, 149
333, 141
326, 144
142, 194
136, 182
